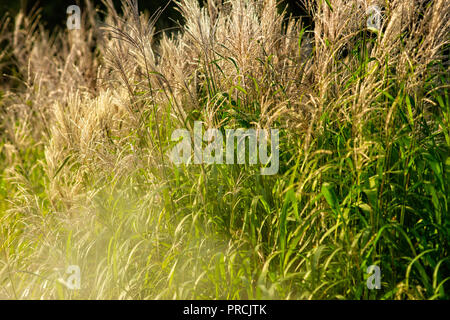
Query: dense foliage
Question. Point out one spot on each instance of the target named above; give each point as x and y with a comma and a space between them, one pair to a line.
364, 117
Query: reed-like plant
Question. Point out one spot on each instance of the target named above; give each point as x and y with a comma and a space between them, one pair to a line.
364, 118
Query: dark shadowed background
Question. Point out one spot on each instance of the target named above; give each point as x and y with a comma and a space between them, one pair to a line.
54, 12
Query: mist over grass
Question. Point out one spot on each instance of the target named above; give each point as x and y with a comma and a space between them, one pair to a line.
86, 118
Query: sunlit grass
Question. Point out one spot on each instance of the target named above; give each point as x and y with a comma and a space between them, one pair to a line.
363, 179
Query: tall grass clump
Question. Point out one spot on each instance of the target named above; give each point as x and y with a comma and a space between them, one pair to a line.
86, 123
